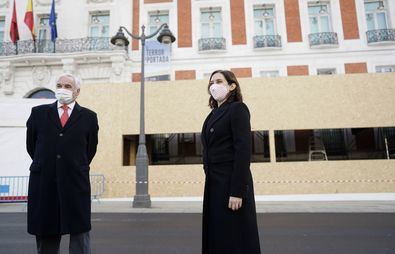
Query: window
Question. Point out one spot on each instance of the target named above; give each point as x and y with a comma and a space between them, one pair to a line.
206, 75
211, 23
260, 142
99, 25
387, 68
44, 43
211, 30
158, 78
160, 146
185, 148
42, 94
326, 71
319, 17
175, 148
156, 19
269, 74
376, 15
264, 20
2, 24
336, 144
44, 30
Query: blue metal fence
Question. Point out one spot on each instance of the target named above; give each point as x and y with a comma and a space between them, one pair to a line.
15, 188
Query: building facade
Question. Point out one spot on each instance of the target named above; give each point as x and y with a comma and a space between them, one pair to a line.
257, 38
83, 46
254, 38
296, 120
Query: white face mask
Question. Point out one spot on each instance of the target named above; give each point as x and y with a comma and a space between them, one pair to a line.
219, 92
64, 96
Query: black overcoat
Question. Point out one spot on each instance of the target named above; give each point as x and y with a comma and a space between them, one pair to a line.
226, 139
59, 199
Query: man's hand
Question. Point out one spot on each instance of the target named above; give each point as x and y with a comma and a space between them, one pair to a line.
235, 203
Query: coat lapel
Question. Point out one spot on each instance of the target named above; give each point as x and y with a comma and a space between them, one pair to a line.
54, 115
75, 115
204, 137
217, 116
220, 112
208, 123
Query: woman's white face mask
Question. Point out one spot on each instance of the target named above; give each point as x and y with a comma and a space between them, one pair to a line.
219, 91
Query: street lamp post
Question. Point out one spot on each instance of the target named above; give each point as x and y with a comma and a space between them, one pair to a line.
142, 198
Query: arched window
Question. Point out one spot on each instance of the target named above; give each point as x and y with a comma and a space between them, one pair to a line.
42, 94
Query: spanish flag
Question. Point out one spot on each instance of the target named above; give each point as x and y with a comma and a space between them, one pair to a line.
29, 18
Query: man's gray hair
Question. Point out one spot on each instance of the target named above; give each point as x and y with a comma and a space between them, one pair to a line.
77, 80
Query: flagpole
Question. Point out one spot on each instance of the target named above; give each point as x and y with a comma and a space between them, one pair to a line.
34, 32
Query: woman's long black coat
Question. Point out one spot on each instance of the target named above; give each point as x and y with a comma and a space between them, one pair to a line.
59, 199
226, 139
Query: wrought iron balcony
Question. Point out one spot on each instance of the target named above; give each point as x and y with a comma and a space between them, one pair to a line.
207, 44
267, 41
60, 46
380, 35
327, 39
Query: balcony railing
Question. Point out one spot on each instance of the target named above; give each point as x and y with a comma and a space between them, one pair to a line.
60, 46
267, 41
380, 35
207, 44
323, 39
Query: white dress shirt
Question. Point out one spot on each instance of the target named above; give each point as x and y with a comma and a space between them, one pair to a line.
70, 108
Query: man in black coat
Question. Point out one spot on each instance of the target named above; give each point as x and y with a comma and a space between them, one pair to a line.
61, 140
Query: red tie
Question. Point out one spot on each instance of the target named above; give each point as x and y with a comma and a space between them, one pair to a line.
65, 115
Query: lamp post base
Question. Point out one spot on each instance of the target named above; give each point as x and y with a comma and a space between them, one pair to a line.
142, 201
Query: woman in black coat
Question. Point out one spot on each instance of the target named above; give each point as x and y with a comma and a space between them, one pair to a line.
229, 214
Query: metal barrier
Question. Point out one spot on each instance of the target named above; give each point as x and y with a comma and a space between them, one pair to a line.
15, 188
97, 186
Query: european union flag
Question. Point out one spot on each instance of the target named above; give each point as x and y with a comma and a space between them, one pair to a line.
52, 22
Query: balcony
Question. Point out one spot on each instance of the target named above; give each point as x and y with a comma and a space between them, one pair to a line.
212, 44
60, 46
267, 41
380, 36
323, 40
94, 59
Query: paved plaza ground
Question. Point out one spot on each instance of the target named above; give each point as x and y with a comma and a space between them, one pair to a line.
175, 227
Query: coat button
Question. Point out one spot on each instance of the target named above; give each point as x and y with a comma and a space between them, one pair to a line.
61, 134
212, 130
58, 156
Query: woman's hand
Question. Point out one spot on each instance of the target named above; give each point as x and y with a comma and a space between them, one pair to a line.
235, 203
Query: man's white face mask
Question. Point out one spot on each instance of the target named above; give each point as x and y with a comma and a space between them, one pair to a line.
64, 96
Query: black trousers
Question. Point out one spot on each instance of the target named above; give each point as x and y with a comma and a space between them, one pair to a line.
79, 244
